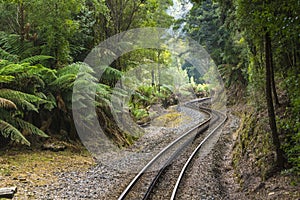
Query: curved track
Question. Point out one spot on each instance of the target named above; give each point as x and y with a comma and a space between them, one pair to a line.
143, 184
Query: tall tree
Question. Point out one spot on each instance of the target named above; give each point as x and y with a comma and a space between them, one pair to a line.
271, 113
54, 22
257, 20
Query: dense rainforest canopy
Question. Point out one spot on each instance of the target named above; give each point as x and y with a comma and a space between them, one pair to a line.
255, 44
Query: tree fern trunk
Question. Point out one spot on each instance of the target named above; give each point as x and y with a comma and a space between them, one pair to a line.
21, 20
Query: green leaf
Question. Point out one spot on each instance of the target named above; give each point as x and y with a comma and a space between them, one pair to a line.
6, 79
35, 59
23, 99
30, 128
9, 131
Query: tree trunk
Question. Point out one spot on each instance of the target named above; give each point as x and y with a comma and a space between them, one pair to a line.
271, 113
21, 20
272, 76
152, 77
158, 70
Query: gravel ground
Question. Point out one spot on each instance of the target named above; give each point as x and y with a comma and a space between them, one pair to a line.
204, 178
115, 170
209, 177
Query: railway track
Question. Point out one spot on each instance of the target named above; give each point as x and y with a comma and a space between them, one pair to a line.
174, 159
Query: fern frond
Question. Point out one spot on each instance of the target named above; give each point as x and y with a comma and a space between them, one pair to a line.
76, 68
32, 80
113, 72
44, 72
30, 128
11, 43
6, 79
27, 105
102, 103
70, 69
12, 69
5, 103
4, 63
35, 59
9, 131
51, 102
7, 56
103, 91
13, 94
64, 82
23, 99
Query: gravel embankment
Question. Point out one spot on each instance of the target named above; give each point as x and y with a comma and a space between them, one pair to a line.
115, 170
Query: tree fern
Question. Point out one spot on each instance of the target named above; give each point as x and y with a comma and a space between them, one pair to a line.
103, 92
9, 131
16, 68
24, 90
64, 82
112, 72
31, 80
11, 69
48, 75
76, 68
28, 82
10, 123
12, 44
76, 71
7, 56
30, 128
35, 59
6, 79
22, 99
4, 62
110, 75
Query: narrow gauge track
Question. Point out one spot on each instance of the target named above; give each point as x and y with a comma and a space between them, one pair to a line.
143, 184
222, 119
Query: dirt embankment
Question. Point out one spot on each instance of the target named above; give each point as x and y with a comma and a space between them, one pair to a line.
249, 163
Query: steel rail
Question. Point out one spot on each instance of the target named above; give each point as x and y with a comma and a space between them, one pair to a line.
176, 154
150, 163
183, 170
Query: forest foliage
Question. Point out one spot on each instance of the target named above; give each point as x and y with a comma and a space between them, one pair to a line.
42, 48
255, 45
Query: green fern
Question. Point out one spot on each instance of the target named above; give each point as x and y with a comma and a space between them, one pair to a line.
16, 68
24, 90
12, 45
7, 56
35, 59
48, 75
9, 131
6, 79
110, 75
10, 123
26, 101
75, 68
12, 69
64, 82
30, 128
4, 62
67, 76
